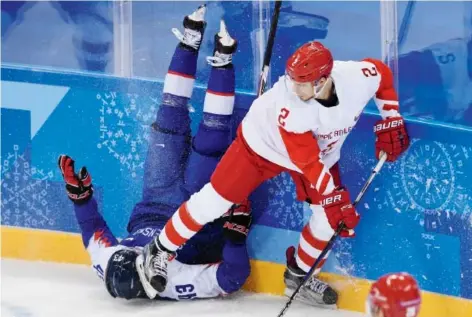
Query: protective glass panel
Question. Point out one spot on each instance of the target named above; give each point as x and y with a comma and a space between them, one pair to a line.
74, 35
435, 68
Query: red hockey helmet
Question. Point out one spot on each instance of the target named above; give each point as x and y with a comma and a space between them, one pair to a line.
395, 295
310, 62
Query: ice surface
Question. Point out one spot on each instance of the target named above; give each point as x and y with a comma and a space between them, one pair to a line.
36, 289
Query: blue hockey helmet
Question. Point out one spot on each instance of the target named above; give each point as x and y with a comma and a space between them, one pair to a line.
121, 277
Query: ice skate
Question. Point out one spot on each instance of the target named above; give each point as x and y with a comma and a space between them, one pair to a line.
225, 46
315, 292
156, 258
194, 27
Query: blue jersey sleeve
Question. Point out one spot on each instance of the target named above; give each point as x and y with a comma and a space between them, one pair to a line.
98, 239
92, 225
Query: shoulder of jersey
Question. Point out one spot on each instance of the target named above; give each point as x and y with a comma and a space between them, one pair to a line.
357, 75
351, 69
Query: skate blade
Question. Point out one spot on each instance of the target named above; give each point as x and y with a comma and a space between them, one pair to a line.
302, 299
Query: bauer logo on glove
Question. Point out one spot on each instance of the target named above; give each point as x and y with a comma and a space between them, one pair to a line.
392, 138
385, 124
331, 199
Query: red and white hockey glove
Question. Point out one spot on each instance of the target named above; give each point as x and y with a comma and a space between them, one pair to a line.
338, 207
79, 186
392, 138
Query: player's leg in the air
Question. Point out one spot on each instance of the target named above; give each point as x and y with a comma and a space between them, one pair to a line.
207, 203
170, 136
169, 145
209, 144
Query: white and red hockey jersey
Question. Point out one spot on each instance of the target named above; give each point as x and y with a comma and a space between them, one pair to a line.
306, 136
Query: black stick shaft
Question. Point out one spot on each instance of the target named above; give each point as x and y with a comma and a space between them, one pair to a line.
269, 47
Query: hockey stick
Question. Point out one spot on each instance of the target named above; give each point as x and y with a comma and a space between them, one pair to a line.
331, 241
269, 47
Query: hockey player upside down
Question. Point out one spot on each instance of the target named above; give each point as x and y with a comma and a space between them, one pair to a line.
213, 263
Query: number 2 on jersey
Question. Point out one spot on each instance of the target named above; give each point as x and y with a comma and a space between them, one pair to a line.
284, 112
369, 72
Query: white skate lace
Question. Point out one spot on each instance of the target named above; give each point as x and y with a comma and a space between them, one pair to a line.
316, 285
219, 59
158, 265
190, 37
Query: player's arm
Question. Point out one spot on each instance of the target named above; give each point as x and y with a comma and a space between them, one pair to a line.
391, 135
97, 238
385, 97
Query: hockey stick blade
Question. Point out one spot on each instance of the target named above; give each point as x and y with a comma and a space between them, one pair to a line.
269, 47
329, 245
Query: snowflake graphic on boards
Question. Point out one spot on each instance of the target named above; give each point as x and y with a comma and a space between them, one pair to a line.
24, 192
124, 127
282, 203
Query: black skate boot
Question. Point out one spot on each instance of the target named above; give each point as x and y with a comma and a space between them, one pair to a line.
315, 292
225, 46
194, 27
155, 258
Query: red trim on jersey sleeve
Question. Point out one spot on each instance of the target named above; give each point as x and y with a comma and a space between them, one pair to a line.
324, 183
388, 107
303, 151
386, 90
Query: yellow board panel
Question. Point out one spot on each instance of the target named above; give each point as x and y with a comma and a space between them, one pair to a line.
43, 245
266, 277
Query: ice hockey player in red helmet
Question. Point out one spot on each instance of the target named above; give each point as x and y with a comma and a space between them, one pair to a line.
297, 126
310, 68
394, 295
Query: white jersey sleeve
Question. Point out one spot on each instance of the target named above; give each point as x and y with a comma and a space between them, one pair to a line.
378, 80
